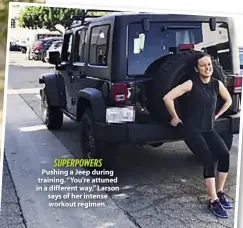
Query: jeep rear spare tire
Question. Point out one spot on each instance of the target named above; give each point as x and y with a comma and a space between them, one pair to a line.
174, 70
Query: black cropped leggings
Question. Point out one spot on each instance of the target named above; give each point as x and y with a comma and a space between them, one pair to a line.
209, 147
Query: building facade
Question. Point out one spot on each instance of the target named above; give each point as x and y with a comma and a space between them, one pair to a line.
18, 33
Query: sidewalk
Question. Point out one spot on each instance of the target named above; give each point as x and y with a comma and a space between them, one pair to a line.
19, 59
11, 215
27, 151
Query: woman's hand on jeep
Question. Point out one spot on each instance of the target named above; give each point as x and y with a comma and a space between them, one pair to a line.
175, 121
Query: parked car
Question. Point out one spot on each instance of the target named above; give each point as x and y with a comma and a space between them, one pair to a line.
22, 46
41, 46
114, 71
56, 46
13, 46
34, 38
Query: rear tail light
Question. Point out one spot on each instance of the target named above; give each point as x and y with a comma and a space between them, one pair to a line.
237, 86
119, 93
186, 46
38, 47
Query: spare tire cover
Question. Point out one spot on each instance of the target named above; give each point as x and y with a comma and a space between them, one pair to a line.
174, 70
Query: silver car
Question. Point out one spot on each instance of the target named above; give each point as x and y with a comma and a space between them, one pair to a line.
56, 46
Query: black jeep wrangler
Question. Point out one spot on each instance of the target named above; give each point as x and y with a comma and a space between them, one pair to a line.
115, 69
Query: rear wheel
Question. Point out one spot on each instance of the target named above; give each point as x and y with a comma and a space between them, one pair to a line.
93, 148
52, 116
23, 50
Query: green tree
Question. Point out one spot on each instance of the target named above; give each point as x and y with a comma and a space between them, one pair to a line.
4, 17
48, 17
4, 5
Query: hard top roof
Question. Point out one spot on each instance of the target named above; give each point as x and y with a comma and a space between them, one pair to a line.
155, 15
133, 16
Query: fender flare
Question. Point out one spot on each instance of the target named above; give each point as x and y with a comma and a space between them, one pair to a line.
91, 97
55, 89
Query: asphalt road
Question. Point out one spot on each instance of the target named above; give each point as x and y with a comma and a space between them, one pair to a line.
160, 187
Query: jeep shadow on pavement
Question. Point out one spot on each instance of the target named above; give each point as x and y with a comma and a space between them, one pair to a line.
114, 70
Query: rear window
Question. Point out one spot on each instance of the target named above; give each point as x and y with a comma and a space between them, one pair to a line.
58, 44
39, 42
164, 38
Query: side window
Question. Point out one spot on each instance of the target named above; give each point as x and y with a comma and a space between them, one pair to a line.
67, 47
99, 43
81, 41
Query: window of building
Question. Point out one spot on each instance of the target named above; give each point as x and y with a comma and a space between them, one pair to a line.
13, 23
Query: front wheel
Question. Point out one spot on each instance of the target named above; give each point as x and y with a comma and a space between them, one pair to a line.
52, 116
93, 148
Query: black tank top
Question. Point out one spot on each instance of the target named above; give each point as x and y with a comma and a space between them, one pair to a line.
201, 104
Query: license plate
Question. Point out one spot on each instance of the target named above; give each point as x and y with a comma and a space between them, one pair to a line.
120, 115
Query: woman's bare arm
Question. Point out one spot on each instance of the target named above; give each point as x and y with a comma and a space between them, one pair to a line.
175, 93
226, 97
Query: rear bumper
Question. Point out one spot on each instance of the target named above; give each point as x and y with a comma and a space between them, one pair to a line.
153, 132
36, 54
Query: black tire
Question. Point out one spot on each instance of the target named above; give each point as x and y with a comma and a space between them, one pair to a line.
93, 148
228, 139
52, 116
154, 66
174, 70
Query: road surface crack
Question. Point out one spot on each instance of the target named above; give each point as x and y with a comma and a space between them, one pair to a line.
130, 217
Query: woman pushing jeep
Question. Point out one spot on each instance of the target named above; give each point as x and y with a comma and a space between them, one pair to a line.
198, 127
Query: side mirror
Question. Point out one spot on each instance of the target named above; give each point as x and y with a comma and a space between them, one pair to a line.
212, 24
54, 57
